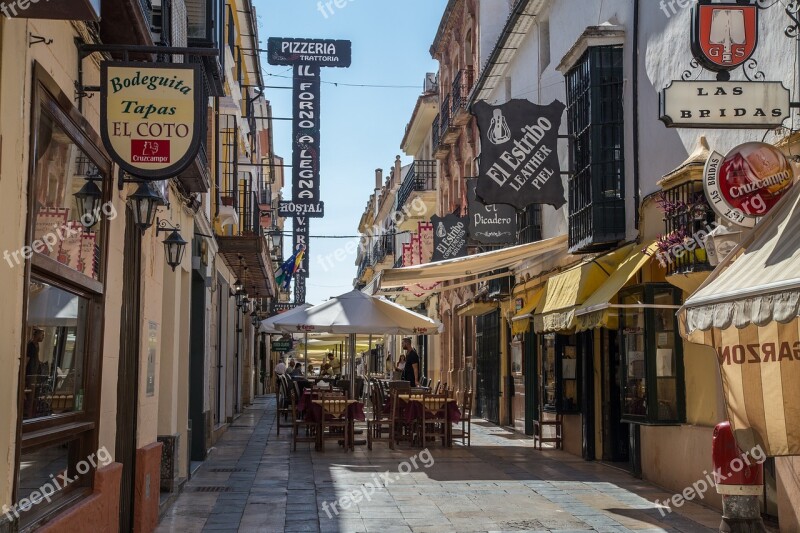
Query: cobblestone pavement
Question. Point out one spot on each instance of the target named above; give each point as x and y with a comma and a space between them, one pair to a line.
253, 482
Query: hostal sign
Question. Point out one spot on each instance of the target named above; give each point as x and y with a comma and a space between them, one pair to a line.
150, 116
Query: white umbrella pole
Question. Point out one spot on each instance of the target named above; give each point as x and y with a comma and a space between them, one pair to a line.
352, 365
369, 355
305, 353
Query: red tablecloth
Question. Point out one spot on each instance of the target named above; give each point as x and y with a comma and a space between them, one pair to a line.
354, 411
413, 409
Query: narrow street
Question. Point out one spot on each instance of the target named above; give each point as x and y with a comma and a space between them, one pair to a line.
253, 482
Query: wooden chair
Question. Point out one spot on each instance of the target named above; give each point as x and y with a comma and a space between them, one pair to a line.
380, 422
434, 421
538, 430
334, 419
435, 389
299, 422
465, 406
283, 402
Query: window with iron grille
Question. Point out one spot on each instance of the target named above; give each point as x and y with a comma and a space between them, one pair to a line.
595, 118
529, 224
688, 218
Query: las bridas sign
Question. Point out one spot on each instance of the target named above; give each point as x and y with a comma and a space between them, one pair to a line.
151, 116
724, 104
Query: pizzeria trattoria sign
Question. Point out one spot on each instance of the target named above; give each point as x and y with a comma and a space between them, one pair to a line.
151, 116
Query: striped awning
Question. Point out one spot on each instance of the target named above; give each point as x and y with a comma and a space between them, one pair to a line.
748, 311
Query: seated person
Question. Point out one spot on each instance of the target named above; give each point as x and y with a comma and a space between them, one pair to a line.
297, 370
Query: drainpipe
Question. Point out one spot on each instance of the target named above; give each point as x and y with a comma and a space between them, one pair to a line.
635, 88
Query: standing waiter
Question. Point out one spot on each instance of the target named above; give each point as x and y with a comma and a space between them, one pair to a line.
411, 370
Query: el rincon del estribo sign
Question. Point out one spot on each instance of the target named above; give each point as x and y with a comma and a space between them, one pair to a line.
449, 237
150, 116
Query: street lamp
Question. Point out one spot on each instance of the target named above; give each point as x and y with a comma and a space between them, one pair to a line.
174, 245
254, 318
88, 199
144, 203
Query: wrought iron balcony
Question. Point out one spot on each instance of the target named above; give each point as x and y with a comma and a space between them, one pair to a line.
462, 86
435, 133
420, 177
384, 246
687, 217
445, 114
529, 224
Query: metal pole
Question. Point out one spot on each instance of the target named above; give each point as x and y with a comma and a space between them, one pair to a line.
305, 354
352, 365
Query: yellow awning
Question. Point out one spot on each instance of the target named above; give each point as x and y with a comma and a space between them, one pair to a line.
565, 292
595, 311
471, 265
521, 322
477, 308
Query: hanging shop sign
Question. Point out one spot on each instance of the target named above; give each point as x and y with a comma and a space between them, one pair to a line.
724, 104
281, 346
449, 237
490, 224
151, 118
725, 34
308, 209
747, 182
519, 162
314, 52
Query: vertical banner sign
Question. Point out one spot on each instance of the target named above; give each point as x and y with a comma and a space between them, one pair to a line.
519, 162
307, 56
449, 237
490, 224
305, 152
151, 119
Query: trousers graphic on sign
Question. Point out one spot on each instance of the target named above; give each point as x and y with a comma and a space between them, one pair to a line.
519, 162
449, 237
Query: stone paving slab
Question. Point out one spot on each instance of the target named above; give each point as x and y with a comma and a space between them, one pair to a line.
500, 483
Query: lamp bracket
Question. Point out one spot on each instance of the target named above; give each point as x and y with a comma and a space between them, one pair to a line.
163, 225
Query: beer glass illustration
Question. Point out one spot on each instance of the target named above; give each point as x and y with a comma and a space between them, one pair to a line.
499, 131
728, 29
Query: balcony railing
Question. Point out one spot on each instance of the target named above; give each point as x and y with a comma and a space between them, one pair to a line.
445, 115
384, 245
435, 132
462, 86
246, 204
420, 177
529, 224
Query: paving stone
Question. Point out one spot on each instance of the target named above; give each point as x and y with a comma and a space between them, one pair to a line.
500, 483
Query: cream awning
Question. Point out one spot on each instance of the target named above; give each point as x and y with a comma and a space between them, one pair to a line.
472, 265
595, 312
748, 310
758, 283
477, 308
565, 292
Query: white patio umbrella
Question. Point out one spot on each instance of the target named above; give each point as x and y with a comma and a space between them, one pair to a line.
268, 327
356, 313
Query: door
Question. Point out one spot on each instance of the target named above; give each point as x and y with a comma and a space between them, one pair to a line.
616, 434
128, 382
197, 351
517, 369
487, 397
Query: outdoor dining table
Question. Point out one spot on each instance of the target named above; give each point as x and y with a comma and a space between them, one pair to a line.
350, 410
413, 407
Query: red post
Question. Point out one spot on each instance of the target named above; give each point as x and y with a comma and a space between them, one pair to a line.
740, 480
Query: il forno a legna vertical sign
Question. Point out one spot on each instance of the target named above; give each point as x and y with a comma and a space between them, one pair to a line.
150, 116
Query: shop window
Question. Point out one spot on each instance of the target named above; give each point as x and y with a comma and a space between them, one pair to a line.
688, 218
652, 380
595, 116
60, 354
559, 373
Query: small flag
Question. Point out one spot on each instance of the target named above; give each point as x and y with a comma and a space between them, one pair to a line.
284, 275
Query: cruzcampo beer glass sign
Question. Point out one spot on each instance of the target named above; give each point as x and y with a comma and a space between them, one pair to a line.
151, 116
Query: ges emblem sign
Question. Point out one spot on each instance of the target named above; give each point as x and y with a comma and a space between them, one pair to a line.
724, 35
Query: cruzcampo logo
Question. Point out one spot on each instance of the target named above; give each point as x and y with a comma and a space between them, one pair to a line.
151, 116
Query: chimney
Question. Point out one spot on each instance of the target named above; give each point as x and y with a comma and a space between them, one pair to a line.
378, 178
397, 168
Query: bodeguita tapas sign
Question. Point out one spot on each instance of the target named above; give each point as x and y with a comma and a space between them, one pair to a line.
151, 116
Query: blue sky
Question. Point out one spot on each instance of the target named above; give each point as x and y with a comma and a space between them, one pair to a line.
361, 128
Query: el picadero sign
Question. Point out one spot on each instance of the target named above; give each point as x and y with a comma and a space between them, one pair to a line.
150, 116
